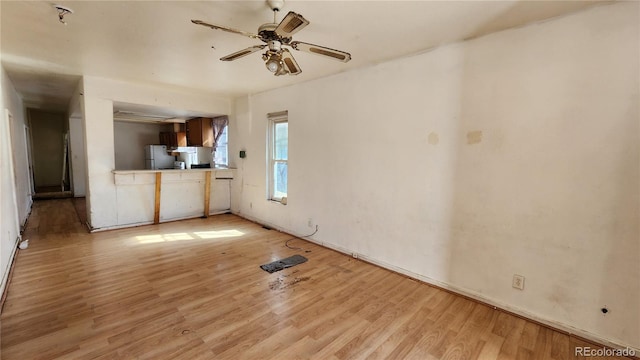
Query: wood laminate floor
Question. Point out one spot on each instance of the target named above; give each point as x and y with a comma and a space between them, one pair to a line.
194, 290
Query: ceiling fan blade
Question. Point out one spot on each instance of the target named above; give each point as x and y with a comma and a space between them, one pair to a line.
233, 31
321, 50
243, 52
290, 63
291, 24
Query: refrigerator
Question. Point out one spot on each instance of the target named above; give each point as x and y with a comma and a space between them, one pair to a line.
157, 158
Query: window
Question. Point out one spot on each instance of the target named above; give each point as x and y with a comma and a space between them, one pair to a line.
278, 155
220, 127
222, 152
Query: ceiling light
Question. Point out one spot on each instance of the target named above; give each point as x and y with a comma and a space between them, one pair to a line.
273, 62
62, 11
273, 65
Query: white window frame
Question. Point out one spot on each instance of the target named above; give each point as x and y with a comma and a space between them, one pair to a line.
275, 118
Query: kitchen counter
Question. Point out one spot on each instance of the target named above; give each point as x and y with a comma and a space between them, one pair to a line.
155, 196
232, 170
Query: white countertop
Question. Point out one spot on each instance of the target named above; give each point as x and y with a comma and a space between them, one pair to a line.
170, 170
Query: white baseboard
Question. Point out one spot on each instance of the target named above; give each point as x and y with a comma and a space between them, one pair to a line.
116, 227
5, 274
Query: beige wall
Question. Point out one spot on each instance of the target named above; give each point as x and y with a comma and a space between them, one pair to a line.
514, 153
130, 139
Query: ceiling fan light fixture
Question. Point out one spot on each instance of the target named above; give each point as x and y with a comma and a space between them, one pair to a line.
273, 66
273, 63
282, 71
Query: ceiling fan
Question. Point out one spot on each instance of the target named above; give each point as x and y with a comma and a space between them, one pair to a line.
276, 37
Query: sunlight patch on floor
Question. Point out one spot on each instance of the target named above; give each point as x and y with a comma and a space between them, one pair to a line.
218, 234
198, 235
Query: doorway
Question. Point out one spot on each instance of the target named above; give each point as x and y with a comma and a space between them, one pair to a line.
50, 154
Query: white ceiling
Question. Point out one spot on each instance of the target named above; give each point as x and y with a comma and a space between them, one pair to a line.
155, 41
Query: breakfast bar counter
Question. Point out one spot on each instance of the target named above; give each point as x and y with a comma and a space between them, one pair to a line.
155, 196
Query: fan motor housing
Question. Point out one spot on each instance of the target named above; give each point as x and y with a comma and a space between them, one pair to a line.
267, 33
275, 45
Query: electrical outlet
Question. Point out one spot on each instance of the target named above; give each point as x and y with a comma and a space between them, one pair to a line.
518, 282
310, 222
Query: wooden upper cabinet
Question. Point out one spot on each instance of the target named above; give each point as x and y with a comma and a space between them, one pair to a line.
173, 139
200, 132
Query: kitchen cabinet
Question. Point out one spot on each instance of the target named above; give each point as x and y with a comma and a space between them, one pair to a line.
173, 139
200, 132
